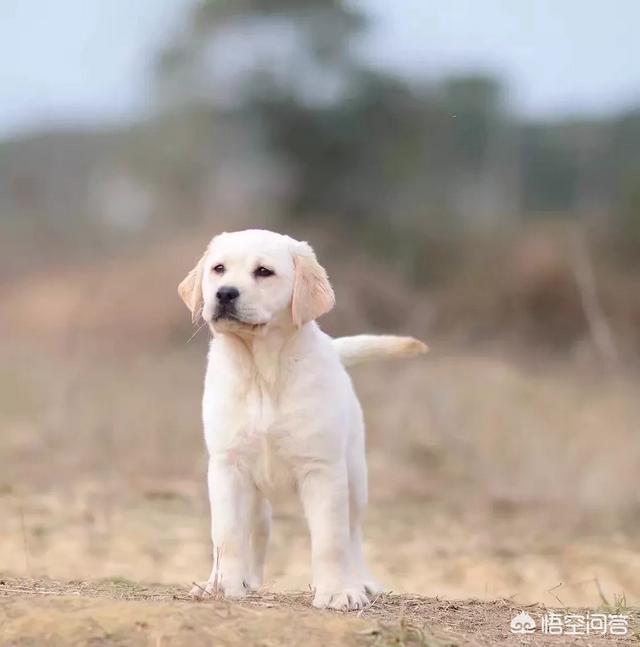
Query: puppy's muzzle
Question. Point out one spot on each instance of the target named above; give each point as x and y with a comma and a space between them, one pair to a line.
226, 298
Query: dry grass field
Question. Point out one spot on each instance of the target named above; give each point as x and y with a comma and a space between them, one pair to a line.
495, 477
121, 613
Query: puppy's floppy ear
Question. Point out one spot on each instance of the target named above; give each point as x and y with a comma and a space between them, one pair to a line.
190, 289
312, 293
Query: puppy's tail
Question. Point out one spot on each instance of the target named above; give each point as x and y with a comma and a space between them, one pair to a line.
360, 348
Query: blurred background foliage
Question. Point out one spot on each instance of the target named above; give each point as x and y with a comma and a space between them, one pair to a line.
265, 113
362, 146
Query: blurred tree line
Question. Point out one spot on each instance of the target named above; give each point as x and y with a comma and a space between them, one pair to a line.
361, 146
269, 107
269, 110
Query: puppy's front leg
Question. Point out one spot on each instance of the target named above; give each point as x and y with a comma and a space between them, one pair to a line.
231, 494
325, 497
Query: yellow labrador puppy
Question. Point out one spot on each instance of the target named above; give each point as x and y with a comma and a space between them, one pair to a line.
277, 399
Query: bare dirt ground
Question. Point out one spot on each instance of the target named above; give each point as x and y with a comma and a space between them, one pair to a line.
36, 612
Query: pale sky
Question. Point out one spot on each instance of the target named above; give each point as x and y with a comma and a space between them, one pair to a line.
69, 62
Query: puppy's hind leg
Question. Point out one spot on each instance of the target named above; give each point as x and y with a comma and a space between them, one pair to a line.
260, 532
358, 494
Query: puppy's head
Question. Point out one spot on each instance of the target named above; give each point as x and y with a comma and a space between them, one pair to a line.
247, 281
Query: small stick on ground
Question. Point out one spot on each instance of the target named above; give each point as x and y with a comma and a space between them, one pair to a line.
369, 605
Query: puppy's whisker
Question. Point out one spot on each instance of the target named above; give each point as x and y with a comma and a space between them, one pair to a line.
198, 329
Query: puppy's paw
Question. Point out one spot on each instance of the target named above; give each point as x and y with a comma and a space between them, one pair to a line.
253, 582
373, 588
202, 590
349, 599
217, 588
234, 589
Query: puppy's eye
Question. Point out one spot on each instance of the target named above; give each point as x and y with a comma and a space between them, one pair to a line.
218, 269
263, 272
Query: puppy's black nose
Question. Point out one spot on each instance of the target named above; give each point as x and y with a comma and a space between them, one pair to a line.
227, 294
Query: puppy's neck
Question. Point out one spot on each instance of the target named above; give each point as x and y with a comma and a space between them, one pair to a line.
266, 357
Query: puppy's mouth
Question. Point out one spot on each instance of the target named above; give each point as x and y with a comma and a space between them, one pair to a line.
230, 316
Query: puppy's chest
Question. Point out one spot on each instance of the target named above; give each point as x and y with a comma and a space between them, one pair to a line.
250, 428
